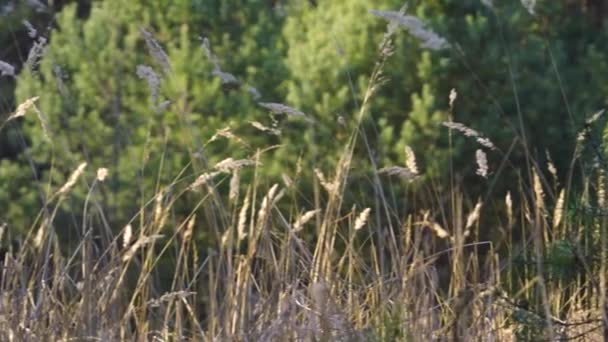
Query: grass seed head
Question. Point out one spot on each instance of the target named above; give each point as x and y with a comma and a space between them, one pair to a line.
263, 128
469, 132
509, 205
482, 163
102, 173
156, 51
330, 187
539, 194
279, 108
307, 216
153, 80
234, 186
72, 180
402, 172
203, 179
558, 213
31, 31
46, 130
362, 219
23, 108
228, 165
428, 38
6, 69
267, 203
36, 53
127, 236
410, 160
240, 231
472, 218
453, 96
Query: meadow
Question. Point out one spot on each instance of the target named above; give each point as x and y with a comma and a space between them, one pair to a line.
228, 251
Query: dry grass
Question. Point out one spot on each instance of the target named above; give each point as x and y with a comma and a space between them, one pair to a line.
268, 279
355, 275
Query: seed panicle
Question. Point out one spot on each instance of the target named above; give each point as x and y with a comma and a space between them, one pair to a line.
428, 39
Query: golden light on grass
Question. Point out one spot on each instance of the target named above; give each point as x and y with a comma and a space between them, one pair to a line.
229, 164
410, 160
261, 127
551, 166
142, 241
472, 218
127, 235
601, 189
303, 219
539, 194
330, 187
227, 133
267, 203
362, 218
44, 123
469, 132
233, 194
558, 213
242, 220
509, 205
439, 231
72, 180
188, 233
435, 227
38, 239
102, 173
453, 96
203, 179
226, 238
23, 108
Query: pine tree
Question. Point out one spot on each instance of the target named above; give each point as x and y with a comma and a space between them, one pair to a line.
132, 89
333, 48
505, 61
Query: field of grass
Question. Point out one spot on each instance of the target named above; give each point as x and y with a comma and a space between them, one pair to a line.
279, 272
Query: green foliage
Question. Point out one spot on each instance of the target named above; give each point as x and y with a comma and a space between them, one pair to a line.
562, 261
510, 68
506, 64
529, 326
99, 110
333, 48
522, 65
